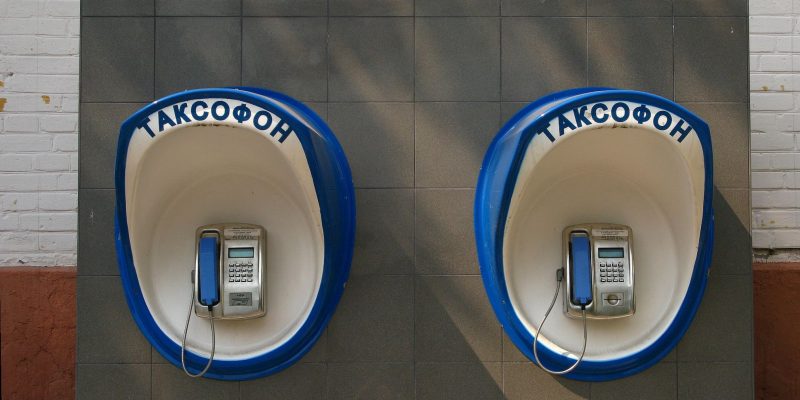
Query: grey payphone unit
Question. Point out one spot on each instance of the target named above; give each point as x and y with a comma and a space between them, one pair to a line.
598, 258
599, 262
239, 267
228, 277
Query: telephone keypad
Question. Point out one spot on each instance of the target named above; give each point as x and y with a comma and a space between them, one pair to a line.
612, 272
240, 271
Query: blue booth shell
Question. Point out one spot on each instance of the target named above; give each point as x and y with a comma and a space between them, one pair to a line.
496, 184
334, 190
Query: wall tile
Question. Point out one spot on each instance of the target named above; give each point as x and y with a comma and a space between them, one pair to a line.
116, 59
659, 382
117, 381
372, 8
527, 381
730, 136
452, 8
211, 8
459, 381
711, 59
106, 332
321, 109
190, 53
453, 320
457, 59
510, 350
623, 8
702, 8
527, 74
722, 328
117, 8
378, 139
707, 380
171, 383
99, 131
732, 243
451, 140
269, 56
647, 40
96, 248
299, 382
526, 8
371, 381
443, 232
384, 232
374, 321
284, 8
371, 59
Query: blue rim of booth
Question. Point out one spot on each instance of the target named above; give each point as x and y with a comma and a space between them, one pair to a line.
494, 191
333, 184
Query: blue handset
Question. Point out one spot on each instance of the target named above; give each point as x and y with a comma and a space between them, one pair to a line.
208, 268
581, 279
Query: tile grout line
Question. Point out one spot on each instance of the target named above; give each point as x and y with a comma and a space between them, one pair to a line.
414, 204
674, 97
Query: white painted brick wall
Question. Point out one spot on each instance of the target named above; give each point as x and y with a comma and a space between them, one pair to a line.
38, 131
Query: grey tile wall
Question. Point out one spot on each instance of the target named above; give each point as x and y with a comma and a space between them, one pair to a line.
189, 51
556, 62
647, 39
415, 90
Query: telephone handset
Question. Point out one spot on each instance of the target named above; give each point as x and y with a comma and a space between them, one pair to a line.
599, 263
598, 259
227, 279
232, 274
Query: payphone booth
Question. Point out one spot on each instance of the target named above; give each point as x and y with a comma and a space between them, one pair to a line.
594, 229
235, 218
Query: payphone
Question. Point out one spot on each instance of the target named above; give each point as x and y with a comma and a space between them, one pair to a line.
598, 258
228, 277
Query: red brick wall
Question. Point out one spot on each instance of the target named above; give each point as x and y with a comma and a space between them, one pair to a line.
37, 333
776, 292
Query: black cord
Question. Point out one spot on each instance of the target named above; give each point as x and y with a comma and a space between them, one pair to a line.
559, 278
185, 333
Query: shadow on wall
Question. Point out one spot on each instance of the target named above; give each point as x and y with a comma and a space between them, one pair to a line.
457, 343
458, 346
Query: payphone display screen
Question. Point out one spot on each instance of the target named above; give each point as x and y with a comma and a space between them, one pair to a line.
611, 252
241, 252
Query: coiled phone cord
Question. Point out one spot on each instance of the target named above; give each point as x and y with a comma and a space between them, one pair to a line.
185, 333
559, 277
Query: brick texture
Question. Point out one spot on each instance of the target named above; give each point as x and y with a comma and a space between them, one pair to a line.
38, 132
776, 346
37, 333
775, 121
